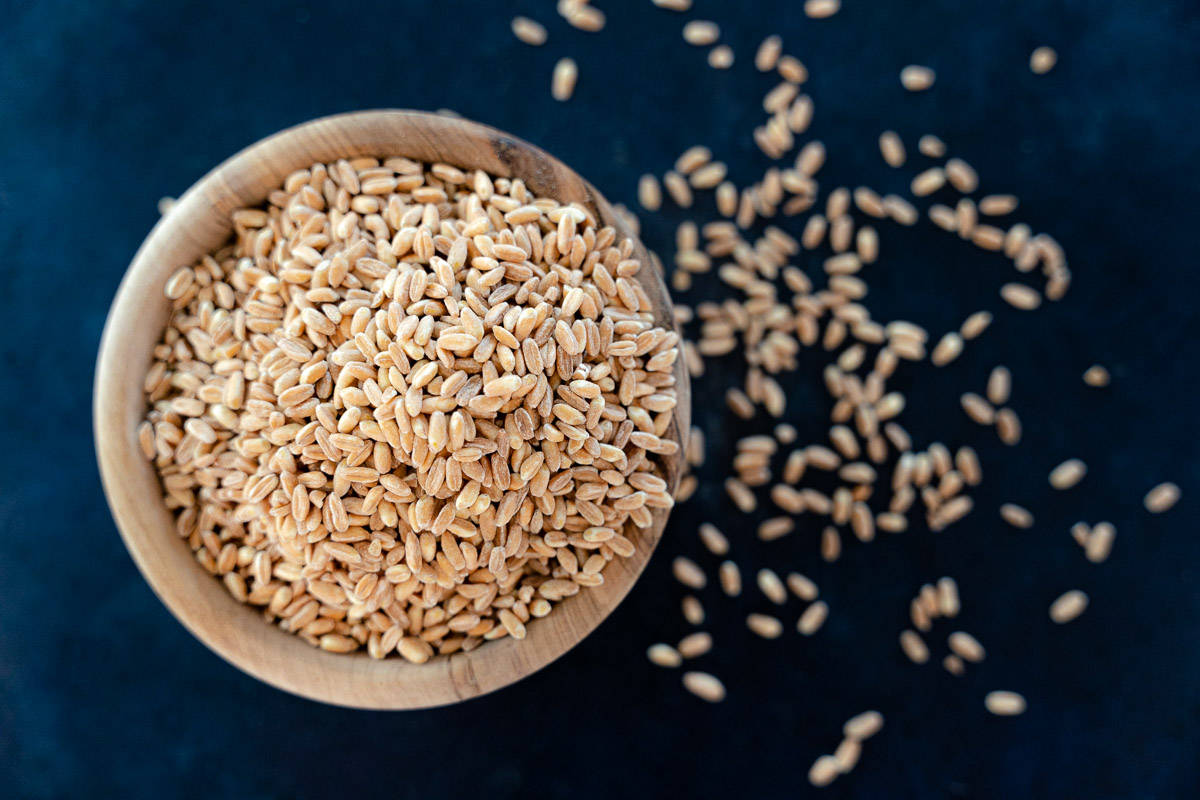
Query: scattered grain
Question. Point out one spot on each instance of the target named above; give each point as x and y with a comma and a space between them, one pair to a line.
562, 84
1068, 474
705, 686
813, 618
1097, 376
1042, 60
529, 31
663, 655
701, 32
1004, 704
1162, 498
916, 78
1069, 606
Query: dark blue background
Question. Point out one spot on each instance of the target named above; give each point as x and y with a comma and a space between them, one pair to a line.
105, 107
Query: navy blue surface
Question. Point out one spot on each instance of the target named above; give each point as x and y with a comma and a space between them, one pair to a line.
105, 107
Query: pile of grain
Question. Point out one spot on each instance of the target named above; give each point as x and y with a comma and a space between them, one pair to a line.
410, 408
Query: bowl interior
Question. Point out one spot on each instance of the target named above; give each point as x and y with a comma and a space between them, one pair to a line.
199, 224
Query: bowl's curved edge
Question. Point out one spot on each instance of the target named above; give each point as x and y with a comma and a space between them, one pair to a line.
303, 670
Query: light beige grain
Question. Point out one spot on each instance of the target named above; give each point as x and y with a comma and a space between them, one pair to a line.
916, 78
1068, 606
1162, 498
529, 31
705, 686
1042, 60
1004, 703
1068, 474
562, 83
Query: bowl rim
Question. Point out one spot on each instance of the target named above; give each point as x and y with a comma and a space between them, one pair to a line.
261, 650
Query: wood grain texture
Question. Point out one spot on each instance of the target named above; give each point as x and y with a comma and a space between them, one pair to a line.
199, 224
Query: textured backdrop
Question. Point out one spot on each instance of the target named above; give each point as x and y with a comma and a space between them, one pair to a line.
105, 107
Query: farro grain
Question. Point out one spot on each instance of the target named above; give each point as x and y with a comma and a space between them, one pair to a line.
705, 686
688, 573
694, 645
1068, 474
1097, 376
1018, 295
714, 541
730, 578
677, 187
701, 32
997, 205
1042, 60
771, 586
1068, 606
914, 647
1004, 703
931, 146
529, 31
1100, 542
847, 754
767, 55
863, 726
721, 57
792, 70
692, 159
916, 78
1162, 498
948, 603
693, 610
649, 193
813, 618
821, 9
975, 324
562, 84
966, 646
892, 148
928, 182
663, 655
947, 349
999, 386
1017, 516
962, 176
764, 625
978, 409
825, 769
1008, 426
802, 586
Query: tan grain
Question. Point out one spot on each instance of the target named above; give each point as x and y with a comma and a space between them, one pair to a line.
705, 686
916, 78
1004, 703
1068, 606
1068, 474
563, 80
1162, 498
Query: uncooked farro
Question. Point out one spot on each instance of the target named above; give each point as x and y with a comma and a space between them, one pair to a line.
1162, 498
1004, 703
813, 618
705, 686
564, 78
1017, 516
701, 32
1097, 376
1068, 606
1068, 474
529, 31
916, 78
1042, 60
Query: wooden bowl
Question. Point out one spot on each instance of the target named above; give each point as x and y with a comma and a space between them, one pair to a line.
199, 224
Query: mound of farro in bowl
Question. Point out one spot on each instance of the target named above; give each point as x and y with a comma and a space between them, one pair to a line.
394, 386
